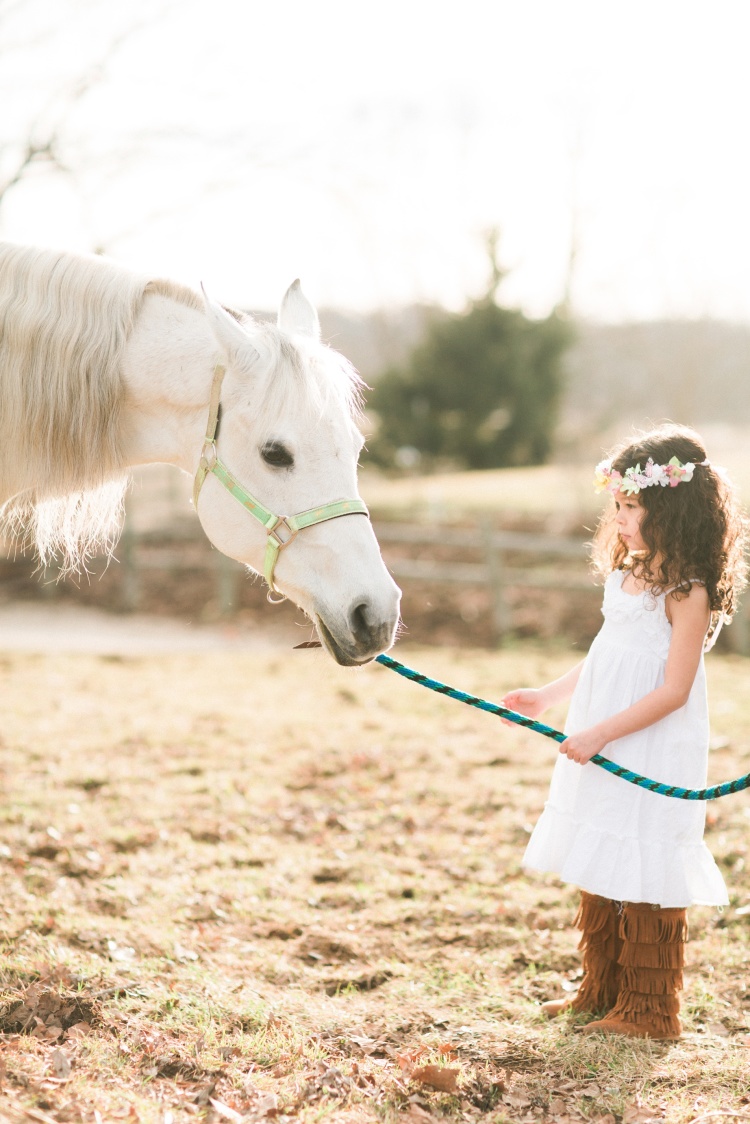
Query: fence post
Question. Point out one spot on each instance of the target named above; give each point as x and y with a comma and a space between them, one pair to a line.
227, 580
500, 608
131, 586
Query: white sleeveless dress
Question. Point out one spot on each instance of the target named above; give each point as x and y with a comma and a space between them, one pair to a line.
601, 833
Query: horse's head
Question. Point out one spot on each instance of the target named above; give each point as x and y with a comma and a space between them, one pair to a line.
287, 435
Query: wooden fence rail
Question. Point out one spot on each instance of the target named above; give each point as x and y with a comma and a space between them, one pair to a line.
548, 562
490, 548
492, 571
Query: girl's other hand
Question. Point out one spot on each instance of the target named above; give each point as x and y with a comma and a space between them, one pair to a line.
526, 700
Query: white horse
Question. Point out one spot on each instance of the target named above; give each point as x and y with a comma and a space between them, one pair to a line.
102, 370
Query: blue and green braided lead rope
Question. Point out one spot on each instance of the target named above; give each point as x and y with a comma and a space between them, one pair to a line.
538, 727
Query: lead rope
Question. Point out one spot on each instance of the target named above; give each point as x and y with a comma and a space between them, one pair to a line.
539, 728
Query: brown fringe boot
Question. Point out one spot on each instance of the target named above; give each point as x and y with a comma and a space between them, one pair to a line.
598, 921
652, 957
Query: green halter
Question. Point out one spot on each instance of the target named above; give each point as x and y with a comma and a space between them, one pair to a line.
281, 529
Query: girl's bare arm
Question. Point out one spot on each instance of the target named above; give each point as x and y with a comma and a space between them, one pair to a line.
533, 701
689, 616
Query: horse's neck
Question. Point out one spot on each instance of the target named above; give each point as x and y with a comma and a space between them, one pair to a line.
167, 368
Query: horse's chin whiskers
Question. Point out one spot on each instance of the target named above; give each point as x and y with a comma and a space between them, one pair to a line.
354, 652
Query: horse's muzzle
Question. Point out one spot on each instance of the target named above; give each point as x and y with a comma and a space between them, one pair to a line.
363, 636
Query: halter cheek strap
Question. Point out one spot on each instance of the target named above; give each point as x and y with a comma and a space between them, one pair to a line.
280, 529
208, 453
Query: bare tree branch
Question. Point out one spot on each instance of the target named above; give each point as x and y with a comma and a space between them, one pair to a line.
44, 140
34, 152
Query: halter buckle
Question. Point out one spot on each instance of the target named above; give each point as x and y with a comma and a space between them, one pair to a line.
281, 525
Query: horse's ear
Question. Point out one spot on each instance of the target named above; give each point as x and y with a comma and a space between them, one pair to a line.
297, 314
238, 348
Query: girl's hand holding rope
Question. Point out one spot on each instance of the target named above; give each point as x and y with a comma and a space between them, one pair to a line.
584, 745
525, 700
532, 701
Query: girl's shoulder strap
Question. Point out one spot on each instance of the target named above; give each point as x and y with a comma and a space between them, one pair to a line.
712, 636
693, 581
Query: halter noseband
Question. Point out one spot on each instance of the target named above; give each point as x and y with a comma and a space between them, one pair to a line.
280, 529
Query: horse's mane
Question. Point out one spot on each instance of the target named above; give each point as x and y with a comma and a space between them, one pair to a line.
65, 320
64, 323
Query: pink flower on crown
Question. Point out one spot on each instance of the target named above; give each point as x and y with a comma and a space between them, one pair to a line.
679, 473
606, 478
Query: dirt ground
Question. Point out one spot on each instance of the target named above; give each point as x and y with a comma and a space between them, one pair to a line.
65, 627
249, 885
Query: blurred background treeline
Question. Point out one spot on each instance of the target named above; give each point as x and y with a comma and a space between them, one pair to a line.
524, 253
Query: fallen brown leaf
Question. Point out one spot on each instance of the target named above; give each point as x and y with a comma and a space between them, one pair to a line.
516, 1100
27, 1113
60, 1062
224, 1110
418, 1114
437, 1077
639, 1113
367, 1045
266, 1105
406, 1059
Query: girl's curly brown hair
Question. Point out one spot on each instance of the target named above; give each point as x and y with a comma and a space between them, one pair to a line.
695, 530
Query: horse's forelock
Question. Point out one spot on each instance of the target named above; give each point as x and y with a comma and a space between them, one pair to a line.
306, 376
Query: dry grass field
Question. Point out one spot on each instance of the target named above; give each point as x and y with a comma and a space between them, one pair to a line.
248, 887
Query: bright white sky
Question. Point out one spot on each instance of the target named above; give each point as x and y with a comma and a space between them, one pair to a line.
366, 147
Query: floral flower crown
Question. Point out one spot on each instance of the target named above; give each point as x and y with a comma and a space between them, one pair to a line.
633, 480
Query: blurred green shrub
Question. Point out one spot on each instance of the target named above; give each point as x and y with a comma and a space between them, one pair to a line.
481, 390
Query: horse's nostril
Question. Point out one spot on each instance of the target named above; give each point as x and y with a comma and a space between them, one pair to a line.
358, 621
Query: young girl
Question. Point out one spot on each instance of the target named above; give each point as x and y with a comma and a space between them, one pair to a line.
672, 550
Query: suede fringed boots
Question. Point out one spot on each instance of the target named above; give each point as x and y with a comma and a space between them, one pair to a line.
652, 956
600, 943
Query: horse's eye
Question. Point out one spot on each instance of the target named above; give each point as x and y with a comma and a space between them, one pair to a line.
278, 456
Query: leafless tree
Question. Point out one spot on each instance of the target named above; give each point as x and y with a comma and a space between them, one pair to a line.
43, 139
